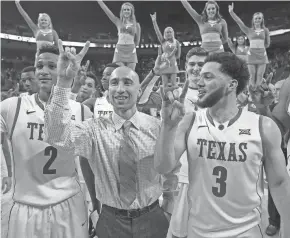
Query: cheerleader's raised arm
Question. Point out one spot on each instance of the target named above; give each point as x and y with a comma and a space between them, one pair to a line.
129, 33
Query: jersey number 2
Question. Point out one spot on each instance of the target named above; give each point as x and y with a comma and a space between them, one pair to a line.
52, 152
222, 174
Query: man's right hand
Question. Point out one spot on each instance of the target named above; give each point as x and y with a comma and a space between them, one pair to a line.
69, 62
173, 104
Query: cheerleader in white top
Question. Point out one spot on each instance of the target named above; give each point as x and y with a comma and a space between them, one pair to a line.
171, 51
43, 31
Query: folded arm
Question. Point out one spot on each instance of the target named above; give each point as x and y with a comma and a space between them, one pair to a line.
267, 38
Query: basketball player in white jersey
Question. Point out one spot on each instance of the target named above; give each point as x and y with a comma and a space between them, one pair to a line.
48, 201
226, 149
29, 80
178, 223
101, 106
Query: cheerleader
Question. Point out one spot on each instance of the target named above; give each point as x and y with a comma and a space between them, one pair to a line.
129, 32
239, 48
259, 38
213, 29
43, 31
171, 51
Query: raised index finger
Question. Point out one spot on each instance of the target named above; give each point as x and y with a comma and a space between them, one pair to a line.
60, 46
184, 91
84, 50
87, 65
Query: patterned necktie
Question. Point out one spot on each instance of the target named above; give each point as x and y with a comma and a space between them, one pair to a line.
127, 167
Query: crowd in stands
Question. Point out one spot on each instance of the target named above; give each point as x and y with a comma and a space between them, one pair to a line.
12, 65
279, 64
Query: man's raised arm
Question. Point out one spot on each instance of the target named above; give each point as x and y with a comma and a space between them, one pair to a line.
60, 131
171, 142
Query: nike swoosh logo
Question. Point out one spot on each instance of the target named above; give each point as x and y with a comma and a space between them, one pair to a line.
29, 112
84, 223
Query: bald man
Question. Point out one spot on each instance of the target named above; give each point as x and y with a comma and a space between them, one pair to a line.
120, 150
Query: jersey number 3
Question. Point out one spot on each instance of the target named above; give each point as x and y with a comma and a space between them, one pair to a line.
222, 174
52, 152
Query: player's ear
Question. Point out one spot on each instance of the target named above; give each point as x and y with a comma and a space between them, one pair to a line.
139, 92
233, 84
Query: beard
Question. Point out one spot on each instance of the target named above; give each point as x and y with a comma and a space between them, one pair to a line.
211, 99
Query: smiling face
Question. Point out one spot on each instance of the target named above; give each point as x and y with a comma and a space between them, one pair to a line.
126, 10
168, 33
43, 21
46, 71
211, 11
258, 19
212, 86
193, 67
124, 89
241, 40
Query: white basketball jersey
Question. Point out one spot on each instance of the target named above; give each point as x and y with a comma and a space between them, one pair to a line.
225, 176
102, 107
43, 174
24, 94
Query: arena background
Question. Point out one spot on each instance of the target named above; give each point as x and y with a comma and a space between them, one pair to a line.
77, 22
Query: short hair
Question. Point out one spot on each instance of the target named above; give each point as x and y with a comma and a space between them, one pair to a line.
45, 48
28, 69
232, 66
112, 65
196, 51
94, 77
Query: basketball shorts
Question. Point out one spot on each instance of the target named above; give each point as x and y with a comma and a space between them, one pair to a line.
6, 205
67, 219
179, 218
